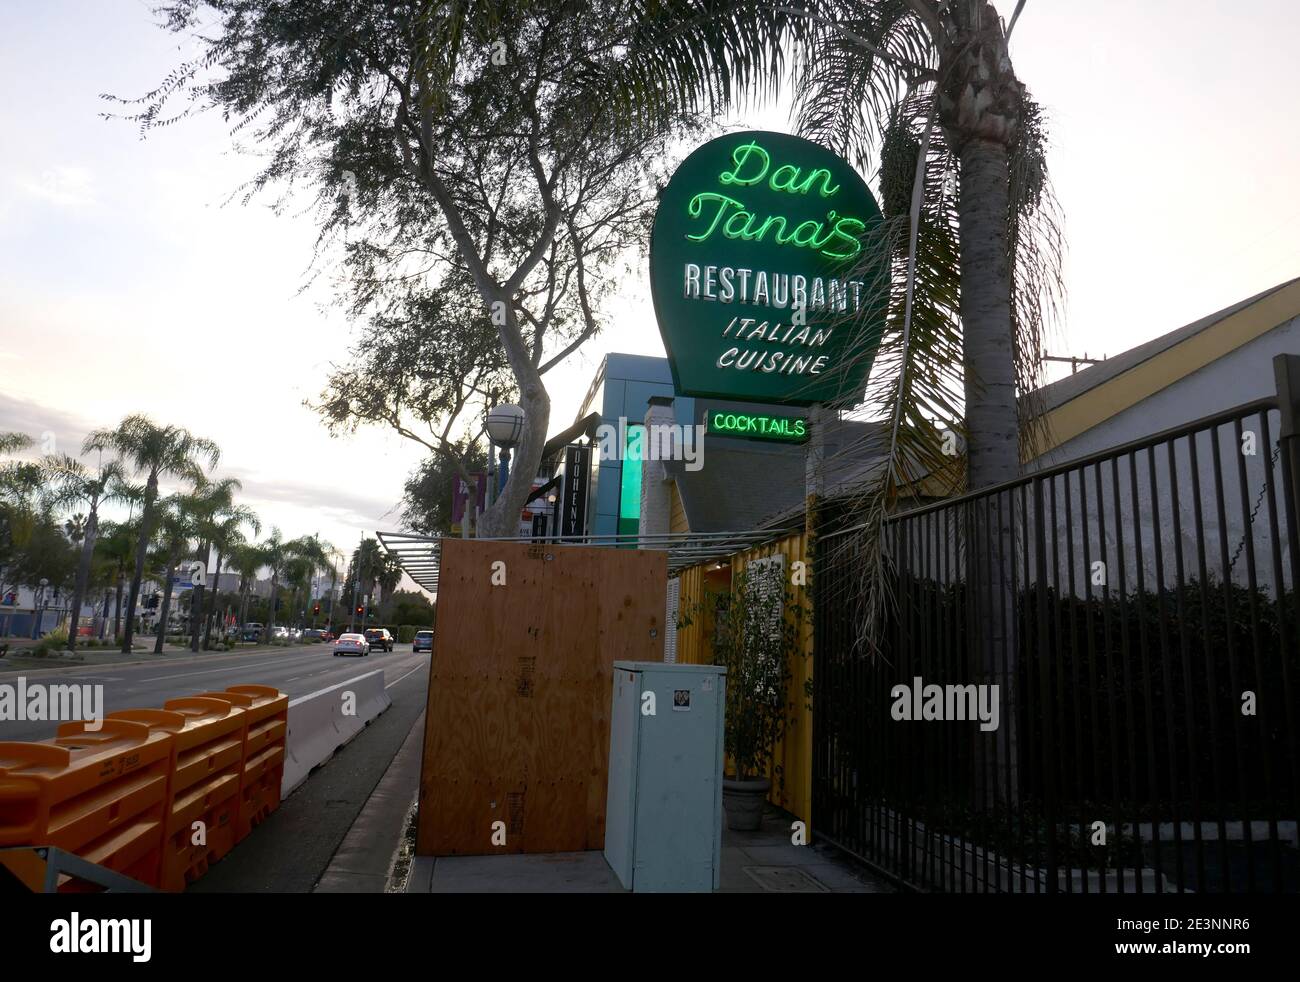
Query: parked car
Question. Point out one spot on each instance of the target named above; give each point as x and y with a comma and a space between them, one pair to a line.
380, 638
351, 644
313, 635
423, 642
251, 631
280, 633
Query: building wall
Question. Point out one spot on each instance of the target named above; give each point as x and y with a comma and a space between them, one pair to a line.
793, 753
1240, 376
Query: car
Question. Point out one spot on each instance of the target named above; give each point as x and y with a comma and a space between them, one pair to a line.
280, 633
423, 642
379, 638
251, 631
313, 635
351, 644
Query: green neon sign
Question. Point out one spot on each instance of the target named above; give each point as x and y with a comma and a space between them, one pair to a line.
757, 426
769, 278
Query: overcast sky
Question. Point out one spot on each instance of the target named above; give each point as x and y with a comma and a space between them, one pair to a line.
126, 286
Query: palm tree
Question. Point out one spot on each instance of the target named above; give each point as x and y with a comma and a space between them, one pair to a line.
177, 530
117, 548
225, 533
246, 559
73, 485
924, 92
317, 554
156, 452
275, 554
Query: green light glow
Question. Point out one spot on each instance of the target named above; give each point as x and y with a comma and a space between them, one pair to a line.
758, 426
629, 497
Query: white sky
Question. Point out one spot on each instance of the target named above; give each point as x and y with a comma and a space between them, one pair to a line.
125, 285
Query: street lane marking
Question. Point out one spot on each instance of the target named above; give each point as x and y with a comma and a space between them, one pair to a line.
331, 688
395, 681
210, 671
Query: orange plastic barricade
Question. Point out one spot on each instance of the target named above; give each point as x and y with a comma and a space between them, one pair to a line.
207, 757
266, 712
101, 794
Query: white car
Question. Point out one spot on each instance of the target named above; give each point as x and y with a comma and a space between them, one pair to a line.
351, 644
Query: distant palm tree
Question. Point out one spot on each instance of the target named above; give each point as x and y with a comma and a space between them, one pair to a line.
156, 452
225, 533
275, 554
317, 554
117, 548
177, 529
246, 559
213, 504
74, 485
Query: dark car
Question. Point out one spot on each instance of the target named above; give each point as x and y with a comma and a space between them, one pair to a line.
423, 642
379, 638
251, 632
313, 635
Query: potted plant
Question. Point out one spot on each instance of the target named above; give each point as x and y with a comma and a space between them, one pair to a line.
756, 634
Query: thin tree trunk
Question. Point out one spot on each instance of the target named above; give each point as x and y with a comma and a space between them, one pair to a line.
197, 606
165, 611
270, 616
243, 605
83, 577
212, 603
142, 547
117, 607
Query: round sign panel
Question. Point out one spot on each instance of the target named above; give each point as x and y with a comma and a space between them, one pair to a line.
768, 273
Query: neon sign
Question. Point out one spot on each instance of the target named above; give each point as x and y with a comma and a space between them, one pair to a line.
770, 280
757, 426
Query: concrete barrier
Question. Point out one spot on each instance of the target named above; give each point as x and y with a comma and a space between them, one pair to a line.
321, 722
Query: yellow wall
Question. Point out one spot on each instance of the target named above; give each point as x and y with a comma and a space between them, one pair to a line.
794, 753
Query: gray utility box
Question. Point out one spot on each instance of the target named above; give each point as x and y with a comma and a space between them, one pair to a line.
663, 812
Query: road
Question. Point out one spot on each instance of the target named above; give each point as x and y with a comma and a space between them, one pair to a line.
296, 671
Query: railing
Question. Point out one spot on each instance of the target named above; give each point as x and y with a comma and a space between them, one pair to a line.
1137, 611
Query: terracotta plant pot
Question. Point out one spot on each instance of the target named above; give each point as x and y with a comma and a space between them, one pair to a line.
744, 802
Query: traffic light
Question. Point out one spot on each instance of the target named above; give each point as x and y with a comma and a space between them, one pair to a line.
316, 609
360, 609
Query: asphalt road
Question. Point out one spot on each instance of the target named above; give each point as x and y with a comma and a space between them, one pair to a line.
297, 671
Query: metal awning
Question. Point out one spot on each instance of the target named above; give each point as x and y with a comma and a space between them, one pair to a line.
419, 554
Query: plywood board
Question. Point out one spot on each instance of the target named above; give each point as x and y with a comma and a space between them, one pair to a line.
517, 725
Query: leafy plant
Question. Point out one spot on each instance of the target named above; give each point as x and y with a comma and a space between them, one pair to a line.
756, 637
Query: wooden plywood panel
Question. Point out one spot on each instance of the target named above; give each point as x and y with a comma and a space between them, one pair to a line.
517, 726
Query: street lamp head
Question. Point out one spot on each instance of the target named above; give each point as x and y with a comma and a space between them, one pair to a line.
505, 425
44, 583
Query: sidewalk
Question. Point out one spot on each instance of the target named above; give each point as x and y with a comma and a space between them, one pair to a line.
763, 861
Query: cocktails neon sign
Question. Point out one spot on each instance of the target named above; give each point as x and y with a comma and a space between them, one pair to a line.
757, 425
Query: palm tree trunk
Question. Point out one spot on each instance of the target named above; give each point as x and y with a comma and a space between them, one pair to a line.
212, 603
83, 577
196, 600
993, 440
270, 616
164, 612
117, 607
334, 575
142, 547
243, 603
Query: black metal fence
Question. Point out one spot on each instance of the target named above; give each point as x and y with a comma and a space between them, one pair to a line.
1137, 611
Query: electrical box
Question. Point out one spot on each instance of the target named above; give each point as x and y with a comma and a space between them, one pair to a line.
663, 813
